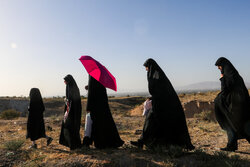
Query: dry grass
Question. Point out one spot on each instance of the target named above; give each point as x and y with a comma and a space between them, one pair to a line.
13, 145
205, 116
202, 96
206, 136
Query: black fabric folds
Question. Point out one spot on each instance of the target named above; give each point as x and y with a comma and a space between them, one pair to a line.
104, 131
232, 107
165, 124
35, 123
70, 129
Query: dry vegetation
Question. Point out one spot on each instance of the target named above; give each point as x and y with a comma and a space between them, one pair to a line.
206, 135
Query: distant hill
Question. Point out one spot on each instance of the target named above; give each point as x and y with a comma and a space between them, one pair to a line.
196, 87
203, 86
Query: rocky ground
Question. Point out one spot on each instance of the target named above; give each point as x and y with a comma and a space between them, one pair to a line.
206, 136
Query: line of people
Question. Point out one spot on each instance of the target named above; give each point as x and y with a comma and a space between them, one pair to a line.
165, 122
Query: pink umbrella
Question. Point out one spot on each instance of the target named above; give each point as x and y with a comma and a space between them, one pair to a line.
99, 72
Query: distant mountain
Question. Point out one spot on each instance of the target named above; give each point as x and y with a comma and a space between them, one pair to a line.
204, 86
201, 86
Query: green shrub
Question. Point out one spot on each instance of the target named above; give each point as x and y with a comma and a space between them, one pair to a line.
9, 114
205, 116
175, 151
13, 145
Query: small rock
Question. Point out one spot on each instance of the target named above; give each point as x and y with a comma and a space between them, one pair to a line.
49, 128
10, 153
138, 132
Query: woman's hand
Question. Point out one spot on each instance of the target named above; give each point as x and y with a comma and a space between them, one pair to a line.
221, 75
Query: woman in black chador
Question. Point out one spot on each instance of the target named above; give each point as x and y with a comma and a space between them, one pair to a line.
104, 132
232, 108
35, 124
165, 123
70, 135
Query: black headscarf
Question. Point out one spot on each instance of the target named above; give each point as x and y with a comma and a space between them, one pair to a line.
72, 90
158, 83
36, 102
227, 67
155, 70
231, 76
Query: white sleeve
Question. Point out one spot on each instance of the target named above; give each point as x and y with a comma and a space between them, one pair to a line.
144, 108
88, 125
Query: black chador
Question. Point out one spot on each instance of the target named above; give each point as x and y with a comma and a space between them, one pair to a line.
35, 124
165, 124
232, 107
70, 136
104, 132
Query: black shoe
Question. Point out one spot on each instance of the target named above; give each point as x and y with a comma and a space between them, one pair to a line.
230, 148
138, 144
190, 147
248, 139
49, 140
86, 141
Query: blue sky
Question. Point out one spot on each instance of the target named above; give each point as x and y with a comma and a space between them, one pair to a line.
42, 40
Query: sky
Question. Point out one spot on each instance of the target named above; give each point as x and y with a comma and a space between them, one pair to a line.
42, 40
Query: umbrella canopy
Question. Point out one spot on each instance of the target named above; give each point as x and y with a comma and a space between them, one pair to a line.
99, 72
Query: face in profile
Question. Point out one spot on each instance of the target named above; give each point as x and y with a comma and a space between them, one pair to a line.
220, 68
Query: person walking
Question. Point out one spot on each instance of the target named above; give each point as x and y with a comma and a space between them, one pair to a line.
165, 123
35, 123
70, 129
232, 107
